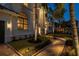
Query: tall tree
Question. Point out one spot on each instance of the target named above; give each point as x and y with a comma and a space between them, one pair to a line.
45, 6
36, 20
51, 18
74, 27
45, 9
57, 13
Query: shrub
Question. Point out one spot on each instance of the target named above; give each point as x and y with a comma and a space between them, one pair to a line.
32, 40
41, 41
43, 44
44, 41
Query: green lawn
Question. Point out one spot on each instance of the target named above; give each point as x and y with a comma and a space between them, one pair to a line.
28, 48
23, 46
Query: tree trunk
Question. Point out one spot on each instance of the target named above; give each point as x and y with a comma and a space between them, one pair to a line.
36, 21
53, 27
43, 22
74, 27
36, 32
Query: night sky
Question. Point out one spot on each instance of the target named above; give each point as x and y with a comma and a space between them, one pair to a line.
66, 15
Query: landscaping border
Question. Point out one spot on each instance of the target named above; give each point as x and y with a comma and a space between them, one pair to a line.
18, 53
40, 50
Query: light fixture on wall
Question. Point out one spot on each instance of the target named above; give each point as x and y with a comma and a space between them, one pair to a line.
9, 25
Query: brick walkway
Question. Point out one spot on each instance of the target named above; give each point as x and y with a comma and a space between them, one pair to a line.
7, 51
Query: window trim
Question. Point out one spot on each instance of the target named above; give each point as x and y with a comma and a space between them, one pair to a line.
22, 23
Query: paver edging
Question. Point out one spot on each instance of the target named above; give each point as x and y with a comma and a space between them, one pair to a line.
40, 50
19, 54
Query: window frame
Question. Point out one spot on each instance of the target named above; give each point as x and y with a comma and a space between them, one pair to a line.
21, 22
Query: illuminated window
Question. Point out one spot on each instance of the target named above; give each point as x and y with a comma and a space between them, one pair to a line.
22, 24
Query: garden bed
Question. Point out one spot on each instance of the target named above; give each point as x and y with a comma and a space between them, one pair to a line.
29, 46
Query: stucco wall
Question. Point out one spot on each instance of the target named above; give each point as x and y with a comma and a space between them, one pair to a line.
6, 18
9, 33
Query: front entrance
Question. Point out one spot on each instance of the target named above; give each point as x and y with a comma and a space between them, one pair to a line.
2, 31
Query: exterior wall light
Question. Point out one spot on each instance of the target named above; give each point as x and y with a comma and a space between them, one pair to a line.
9, 25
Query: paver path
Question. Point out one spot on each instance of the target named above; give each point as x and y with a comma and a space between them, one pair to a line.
6, 51
53, 49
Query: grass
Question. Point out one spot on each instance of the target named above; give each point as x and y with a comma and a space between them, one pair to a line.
28, 48
23, 46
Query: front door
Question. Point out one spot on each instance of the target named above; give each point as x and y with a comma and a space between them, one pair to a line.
2, 31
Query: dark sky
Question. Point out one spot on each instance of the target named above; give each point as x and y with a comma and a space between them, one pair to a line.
66, 15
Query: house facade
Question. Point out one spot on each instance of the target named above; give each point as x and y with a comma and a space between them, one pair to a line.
16, 21
19, 21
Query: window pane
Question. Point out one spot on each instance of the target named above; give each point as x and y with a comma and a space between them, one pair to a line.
20, 20
25, 27
20, 26
25, 21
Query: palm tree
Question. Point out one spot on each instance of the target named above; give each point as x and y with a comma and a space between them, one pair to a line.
73, 22
51, 18
45, 6
36, 21
57, 13
45, 9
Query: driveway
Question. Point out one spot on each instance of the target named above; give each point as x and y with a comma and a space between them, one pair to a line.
7, 51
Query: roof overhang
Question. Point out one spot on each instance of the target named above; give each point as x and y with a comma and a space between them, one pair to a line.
11, 13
